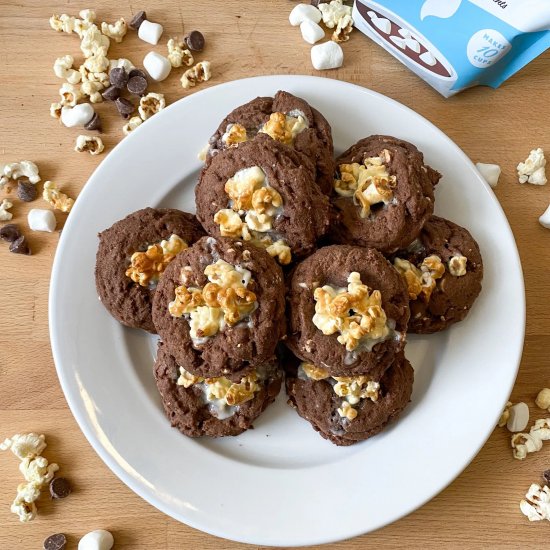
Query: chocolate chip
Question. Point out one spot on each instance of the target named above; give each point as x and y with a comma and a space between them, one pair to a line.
55, 542
137, 20
137, 72
118, 77
94, 124
111, 93
137, 85
60, 487
546, 477
20, 246
194, 41
125, 107
26, 191
10, 232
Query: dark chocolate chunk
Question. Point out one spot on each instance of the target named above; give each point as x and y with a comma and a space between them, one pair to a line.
137, 72
125, 107
20, 246
55, 542
137, 20
26, 191
60, 487
194, 41
10, 232
137, 85
111, 93
94, 124
546, 477
118, 77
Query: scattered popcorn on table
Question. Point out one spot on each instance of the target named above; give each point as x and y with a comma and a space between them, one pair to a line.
199, 73
518, 417
505, 415
92, 144
537, 504
35, 469
55, 110
334, 12
94, 42
523, 443
132, 124
16, 170
63, 68
490, 172
56, 198
5, 216
303, 12
92, 90
178, 54
343, 29
151, 104
70, 94
532, 170
543, 399
117, 31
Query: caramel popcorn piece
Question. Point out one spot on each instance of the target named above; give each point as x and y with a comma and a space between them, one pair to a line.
355, 313
234, 134
457, 266
147, 267
368, 183
223, 300
201, 72
284, 128
59, 200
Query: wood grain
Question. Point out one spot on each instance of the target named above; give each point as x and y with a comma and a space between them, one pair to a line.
478, 510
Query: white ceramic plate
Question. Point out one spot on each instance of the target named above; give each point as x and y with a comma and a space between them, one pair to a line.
281, 483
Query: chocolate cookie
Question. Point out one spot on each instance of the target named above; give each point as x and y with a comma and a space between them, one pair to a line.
261, 192
219, 308
384, 193
131, 257
287, 119
443, 270
348, 410
216, 406
348, 311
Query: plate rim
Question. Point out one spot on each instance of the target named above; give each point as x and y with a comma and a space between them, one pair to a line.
81, 418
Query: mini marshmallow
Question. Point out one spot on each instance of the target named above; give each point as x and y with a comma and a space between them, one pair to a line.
544, 220
382, 24
328, 55
303, 12
519, 417
150, 32
404, 33
490, 172
79, 115
41, 220
157, 65
97, 540
413, 44
311, 31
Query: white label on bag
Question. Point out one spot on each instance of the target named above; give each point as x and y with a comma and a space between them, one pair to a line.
486, 47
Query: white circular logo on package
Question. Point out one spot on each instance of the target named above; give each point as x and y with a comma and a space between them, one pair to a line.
486, 47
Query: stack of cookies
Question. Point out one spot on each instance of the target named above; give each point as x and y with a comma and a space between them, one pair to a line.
296, 263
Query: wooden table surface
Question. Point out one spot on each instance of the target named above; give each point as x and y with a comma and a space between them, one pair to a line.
480, 508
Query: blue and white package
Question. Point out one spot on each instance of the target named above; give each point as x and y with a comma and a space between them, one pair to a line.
456, 44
